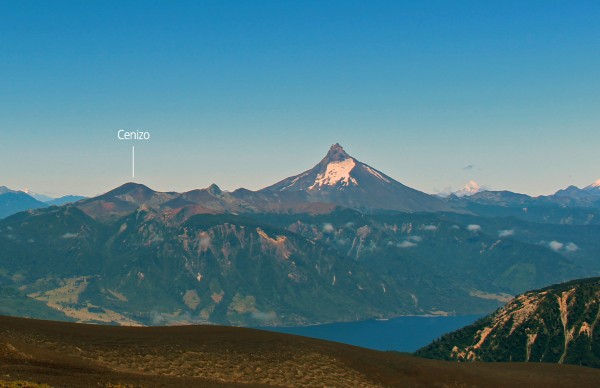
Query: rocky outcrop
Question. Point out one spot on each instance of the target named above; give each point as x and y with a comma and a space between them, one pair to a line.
556, 324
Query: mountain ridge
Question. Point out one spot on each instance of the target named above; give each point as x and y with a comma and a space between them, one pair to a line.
313, 248
337, 180
556, 324
271, 269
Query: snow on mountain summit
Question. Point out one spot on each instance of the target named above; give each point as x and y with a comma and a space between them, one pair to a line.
336, 172
469, 189
39, 197
339, 167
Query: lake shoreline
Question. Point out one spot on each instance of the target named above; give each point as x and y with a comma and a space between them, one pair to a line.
405, 333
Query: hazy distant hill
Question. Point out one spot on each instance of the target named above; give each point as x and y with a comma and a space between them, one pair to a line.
554, 209
64, 200
555, 324
572, 198
12, 202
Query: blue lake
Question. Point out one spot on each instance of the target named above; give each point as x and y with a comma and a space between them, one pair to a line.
404, 334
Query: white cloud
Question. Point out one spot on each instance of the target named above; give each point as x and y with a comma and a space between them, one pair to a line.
264, 316
506, 233
429, 227
406, 244
416, 238
328, 228
556, 246
571, 247
474, 228
69, 235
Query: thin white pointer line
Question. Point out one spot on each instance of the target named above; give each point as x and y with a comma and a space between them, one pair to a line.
132, 161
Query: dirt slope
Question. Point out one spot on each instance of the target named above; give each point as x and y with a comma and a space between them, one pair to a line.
74, 355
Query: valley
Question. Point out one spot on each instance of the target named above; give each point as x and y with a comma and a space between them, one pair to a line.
327, 245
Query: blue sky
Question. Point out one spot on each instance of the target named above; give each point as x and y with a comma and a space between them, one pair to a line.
244, 93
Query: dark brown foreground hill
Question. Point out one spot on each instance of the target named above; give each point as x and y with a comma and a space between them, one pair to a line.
75, 355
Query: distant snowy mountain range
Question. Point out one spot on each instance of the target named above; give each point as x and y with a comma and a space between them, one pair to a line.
472, 188
14, 201
39, 197
337, 180
43, 197
341, 241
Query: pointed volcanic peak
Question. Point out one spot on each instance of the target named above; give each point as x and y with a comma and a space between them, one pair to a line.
123, 200
334, 170
345, 181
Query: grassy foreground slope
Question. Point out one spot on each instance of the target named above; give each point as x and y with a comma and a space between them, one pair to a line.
73, 355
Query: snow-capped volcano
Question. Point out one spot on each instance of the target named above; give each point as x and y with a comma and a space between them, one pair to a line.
337, 169
341, 179
469, 189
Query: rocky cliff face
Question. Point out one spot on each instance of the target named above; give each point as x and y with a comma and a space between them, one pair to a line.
556, 324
